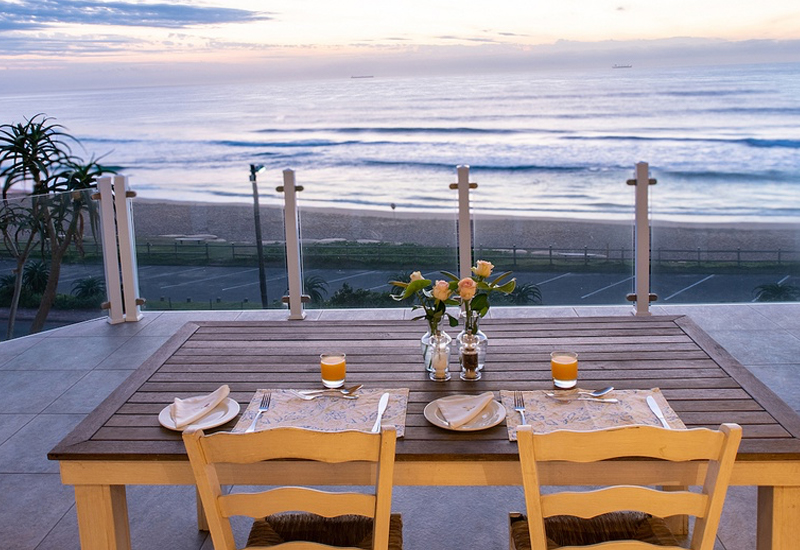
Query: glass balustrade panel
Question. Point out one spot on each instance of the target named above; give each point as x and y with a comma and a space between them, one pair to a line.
51, 252
352, 250
205, 256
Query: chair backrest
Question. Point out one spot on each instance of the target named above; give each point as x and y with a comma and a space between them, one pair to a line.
207, 452
716, 448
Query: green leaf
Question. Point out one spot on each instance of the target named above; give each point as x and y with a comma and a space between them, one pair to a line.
450, 276
453, 321
508, 287
501, 277
415, 286
481, 301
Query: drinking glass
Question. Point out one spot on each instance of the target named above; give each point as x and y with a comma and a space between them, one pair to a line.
333, 368
564, 366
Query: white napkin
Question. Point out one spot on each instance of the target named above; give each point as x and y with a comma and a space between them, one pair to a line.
458, 410
186, 411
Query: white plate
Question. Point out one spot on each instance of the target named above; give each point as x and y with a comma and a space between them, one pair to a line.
492, 415
217, 417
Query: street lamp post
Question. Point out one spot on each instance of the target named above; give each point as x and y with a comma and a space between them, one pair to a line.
262, 276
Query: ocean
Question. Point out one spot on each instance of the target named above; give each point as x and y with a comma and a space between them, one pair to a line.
723, 142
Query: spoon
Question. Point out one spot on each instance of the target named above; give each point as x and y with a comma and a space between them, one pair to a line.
344, 391
597, 393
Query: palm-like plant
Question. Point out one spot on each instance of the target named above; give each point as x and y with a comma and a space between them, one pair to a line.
35, 275
90, 287
316, 288
38, 153
528, 293
776, 292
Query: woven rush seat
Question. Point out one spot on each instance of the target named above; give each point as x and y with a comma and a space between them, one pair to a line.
613, 526
347, 531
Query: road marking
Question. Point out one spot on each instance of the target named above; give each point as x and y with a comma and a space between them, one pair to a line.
352, 276
784, 279
204, 279
254, 283
688, 287
554, 279
171, 273
612, 285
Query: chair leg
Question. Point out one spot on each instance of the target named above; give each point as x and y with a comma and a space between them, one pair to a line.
511, 518
202, 522
679, 525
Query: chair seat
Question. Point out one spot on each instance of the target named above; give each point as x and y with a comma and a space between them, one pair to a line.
574, 531
353, 531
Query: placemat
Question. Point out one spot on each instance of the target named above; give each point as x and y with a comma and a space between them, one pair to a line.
547, 414
327, 413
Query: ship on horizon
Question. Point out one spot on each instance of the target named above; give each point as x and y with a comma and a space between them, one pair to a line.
615, 66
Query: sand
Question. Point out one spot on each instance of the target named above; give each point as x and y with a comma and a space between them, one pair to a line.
235, 223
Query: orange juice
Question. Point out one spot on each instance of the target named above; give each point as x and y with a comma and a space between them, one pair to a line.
564, 366
333, 368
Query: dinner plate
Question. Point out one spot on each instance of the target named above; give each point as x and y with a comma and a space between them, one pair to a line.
217, 417
493, 413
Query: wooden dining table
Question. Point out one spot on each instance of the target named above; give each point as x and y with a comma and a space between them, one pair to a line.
122, 443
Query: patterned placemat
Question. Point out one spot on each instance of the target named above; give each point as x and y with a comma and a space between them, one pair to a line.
547, 414
327, 413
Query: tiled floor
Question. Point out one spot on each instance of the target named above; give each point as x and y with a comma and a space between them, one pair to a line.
49, 382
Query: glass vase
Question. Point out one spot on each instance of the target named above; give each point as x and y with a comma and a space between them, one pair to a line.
436, 352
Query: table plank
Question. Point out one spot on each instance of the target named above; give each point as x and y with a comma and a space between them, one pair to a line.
702, 382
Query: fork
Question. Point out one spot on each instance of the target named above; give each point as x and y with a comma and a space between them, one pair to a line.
519, 405
261, 408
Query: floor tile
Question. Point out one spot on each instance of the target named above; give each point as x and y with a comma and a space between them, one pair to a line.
737, 529
11, 348
785, 315
531, 312
605, 311
11, 423
272, 315
30, 506
723, 317
56, 353
783, 379
169, 322
753, 348
33, 391
88, 392
361, 314
25, 452
132, 353
101, 327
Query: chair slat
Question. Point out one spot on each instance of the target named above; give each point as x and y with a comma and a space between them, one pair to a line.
622, 545
290, 499
290, 443
630, 441
588, 504
302, 545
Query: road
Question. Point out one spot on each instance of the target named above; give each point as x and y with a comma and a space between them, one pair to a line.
179, 284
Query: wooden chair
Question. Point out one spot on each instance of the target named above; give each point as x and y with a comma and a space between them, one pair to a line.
633, 514
326, 519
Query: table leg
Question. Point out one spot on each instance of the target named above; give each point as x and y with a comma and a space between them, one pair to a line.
202, 522
679, 525
102, 517
778, 510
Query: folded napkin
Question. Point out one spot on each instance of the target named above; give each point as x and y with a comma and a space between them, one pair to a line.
458, 410
186, 411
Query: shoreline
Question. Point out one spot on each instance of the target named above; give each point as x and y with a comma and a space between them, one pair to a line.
234, 222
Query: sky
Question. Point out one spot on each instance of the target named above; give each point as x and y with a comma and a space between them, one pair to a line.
85, 43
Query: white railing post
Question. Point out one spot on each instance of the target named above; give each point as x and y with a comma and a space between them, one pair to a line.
119, 250
108, 232
642, 296
127, 249
293, 264
464, 220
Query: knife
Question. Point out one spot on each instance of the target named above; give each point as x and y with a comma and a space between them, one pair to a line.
381, 408
657, 411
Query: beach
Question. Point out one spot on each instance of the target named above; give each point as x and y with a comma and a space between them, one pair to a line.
234, 223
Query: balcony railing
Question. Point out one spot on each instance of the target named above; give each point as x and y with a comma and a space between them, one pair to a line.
203, 256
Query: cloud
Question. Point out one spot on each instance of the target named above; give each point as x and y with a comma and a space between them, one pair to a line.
36, 15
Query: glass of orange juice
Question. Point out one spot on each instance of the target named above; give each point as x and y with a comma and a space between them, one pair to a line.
564, 366
333, 368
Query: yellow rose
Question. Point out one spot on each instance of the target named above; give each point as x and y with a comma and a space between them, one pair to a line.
441, 290
483, 269
467, 288
416, 276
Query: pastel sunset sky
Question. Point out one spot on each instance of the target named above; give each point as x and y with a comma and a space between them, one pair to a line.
144, 42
